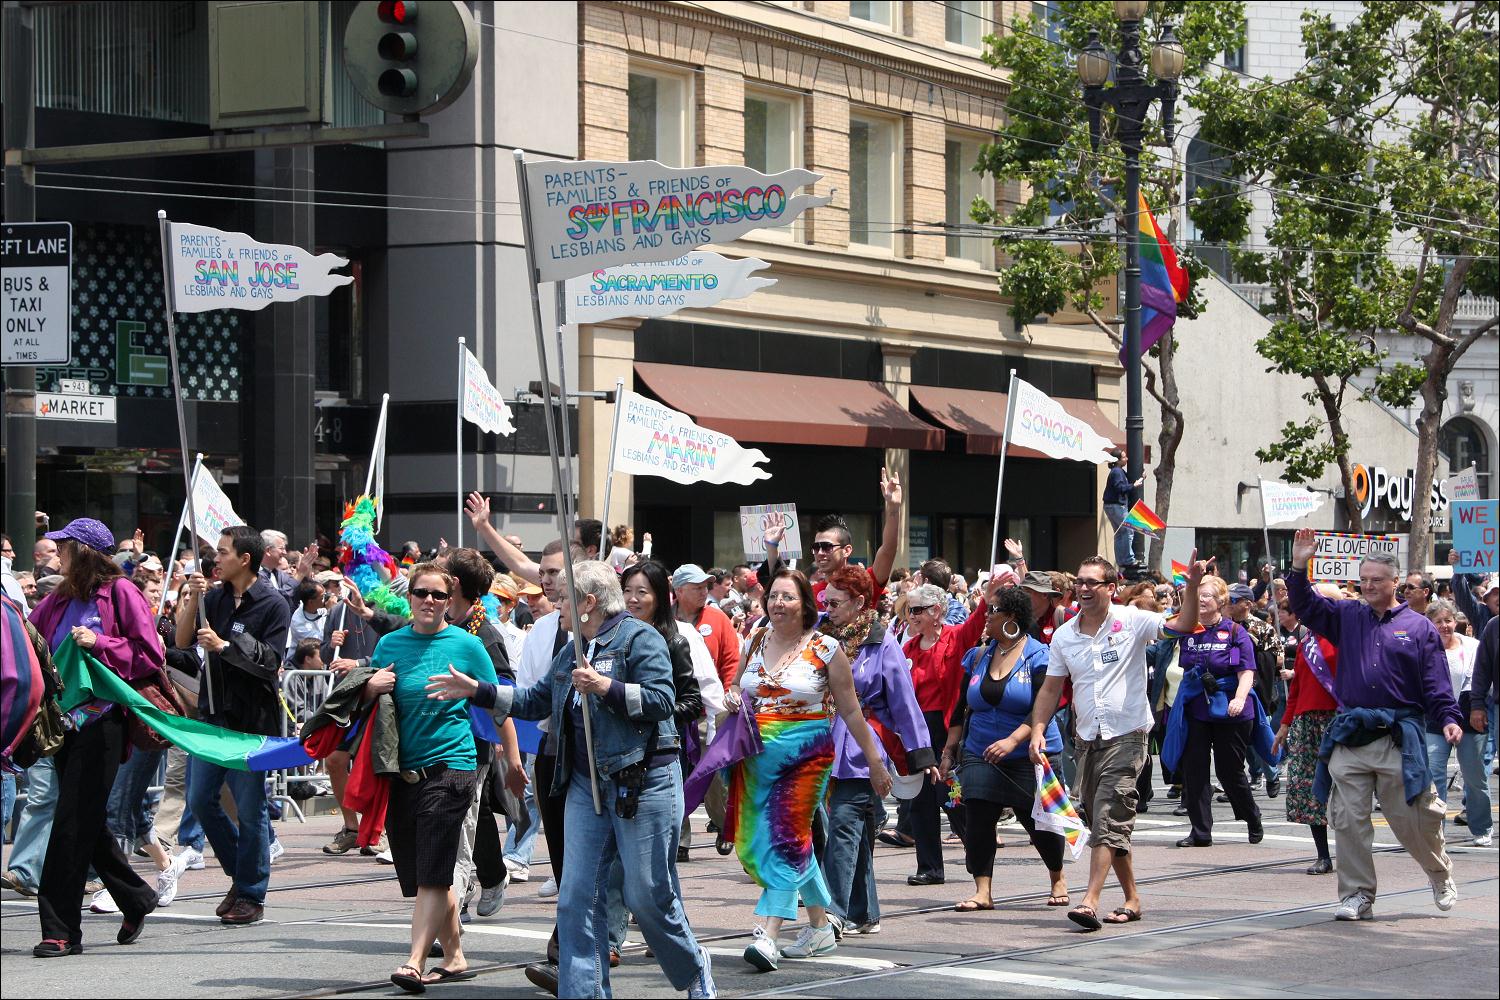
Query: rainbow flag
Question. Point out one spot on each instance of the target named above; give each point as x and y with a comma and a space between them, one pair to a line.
1164, 284
1144, 520
1179, 573
1052, 810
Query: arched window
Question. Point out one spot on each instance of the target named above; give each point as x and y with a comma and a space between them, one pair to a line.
1463, 442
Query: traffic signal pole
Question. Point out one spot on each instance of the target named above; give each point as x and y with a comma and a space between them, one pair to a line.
19, 94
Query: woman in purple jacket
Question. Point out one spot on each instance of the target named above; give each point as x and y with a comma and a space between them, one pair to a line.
883, 683
106, 616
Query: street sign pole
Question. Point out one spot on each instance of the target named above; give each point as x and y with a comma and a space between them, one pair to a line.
18, 92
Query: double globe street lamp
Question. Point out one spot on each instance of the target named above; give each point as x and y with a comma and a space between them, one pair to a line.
1131, 98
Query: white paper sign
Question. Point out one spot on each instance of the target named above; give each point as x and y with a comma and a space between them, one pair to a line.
693, 281
1040, 423
1464, 486
1339, 554
590, 214
211, 507
1282, 503
212, 269
481, 402
756, 520
656, 440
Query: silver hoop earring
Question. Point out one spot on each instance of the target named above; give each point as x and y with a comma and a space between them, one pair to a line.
1010, 630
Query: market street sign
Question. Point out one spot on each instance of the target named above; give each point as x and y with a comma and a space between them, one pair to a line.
80, 408
36, 293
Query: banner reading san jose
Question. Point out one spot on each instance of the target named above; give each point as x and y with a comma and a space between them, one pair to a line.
595, 213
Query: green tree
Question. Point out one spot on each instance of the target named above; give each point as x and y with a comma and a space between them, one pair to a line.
1044, 158
1380, 159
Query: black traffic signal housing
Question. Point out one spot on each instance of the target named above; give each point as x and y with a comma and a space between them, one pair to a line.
409, 65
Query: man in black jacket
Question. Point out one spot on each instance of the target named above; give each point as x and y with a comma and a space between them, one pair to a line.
241, 646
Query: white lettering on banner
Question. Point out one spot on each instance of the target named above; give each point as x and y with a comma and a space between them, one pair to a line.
592, 214
756, 520
213, 269
692, 281
1282, 503
211, 508
1040, 423
481, 402
656, 440
1339, 554
1375, 487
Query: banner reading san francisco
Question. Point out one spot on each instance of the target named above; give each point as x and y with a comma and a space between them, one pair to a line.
593, 214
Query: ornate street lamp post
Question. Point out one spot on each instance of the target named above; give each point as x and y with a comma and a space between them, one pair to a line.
1131, 98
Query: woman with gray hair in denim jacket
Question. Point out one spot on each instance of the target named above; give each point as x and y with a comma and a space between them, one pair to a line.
625, 684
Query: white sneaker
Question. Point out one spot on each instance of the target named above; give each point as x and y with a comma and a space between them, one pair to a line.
103, 902
837, 923
192, 859
548, 889
385, 858
812, 942
166, 881
277, 850
1484, 840
703, 985
873, 927
762, 951
1444, 893
493, 897
1357, 906
518, 872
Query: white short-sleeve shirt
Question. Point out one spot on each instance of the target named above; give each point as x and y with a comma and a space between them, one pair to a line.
1108, 671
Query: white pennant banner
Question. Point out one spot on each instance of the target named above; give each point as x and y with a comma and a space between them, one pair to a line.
1040, 423
656, 440
212, 269
693, 281
481, 402
593, 214
211, 507
1282, 503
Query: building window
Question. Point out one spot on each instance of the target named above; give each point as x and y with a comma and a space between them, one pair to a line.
660, 110
1047, 15
881, 12
1234, 59
874, 181
961, 185
1209, 177
773, 133
1463, 442
965, 23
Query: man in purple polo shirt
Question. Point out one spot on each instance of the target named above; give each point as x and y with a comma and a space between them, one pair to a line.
1392, 673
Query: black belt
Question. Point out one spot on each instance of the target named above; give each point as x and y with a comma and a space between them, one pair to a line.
413, 776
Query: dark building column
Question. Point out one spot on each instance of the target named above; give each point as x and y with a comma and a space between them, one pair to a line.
276, 411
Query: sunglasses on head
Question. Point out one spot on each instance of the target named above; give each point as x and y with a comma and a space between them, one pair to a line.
422, 594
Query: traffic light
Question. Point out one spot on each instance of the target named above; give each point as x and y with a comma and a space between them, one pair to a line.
406, 65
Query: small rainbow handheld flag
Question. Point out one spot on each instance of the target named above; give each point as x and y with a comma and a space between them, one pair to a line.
1179, 573
1052, 810
1144, 520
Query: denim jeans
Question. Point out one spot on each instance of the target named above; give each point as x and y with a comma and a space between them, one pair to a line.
518, 849
1124, 537
189, 830
647, 846
1476, 777
130, 808
34, 828
7, 805
848, 860
243, 850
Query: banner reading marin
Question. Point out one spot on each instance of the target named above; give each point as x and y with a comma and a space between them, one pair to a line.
593, 214
656, 440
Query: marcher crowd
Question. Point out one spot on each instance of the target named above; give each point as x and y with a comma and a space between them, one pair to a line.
597, 696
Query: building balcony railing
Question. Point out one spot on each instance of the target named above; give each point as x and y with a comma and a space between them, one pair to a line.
1471, 308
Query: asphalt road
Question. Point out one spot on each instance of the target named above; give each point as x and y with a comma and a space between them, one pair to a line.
1233, 920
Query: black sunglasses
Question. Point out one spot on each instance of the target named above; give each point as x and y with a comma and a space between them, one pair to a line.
422, 593
823, 546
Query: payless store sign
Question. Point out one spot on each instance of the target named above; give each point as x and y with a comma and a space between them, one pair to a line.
1376, 489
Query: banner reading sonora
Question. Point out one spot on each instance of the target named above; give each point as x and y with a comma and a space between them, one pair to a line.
214, 269
594, 214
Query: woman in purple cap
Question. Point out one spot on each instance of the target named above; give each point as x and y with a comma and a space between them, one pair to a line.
107, 617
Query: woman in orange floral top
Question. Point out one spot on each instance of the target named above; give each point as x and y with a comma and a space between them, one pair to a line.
791, 678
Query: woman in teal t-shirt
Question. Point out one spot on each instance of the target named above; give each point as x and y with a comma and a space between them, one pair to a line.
426, 815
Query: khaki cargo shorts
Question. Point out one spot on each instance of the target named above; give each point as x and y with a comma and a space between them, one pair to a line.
1105, 778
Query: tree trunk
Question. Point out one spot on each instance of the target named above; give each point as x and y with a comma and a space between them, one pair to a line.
1330, 403
1429, 425
1167, 441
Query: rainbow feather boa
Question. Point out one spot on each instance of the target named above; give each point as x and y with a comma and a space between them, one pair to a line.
366, 563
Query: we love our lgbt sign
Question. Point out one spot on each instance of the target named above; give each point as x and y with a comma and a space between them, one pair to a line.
593, 214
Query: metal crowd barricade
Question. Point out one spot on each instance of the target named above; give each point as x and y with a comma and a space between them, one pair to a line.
302, 694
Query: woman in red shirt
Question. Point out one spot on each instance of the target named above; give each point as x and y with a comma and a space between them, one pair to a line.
1310, 706
936, 653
